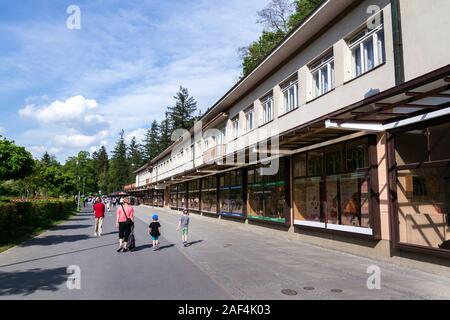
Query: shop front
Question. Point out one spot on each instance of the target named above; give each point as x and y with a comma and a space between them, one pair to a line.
268, 194
158, 198
420, 185
231, 194
209, 194
333, 188
173, 197
194, 196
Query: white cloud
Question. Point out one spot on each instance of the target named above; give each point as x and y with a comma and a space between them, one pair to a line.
138, 133
73, 107
2, 131
38, 151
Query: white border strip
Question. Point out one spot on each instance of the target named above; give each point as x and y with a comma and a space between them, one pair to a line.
351, 229
310, 224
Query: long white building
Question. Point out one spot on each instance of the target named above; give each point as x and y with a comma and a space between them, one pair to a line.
340, 137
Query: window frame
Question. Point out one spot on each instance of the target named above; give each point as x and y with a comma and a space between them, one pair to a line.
268, 102
359, 42
250, 112
289, 105
321, 66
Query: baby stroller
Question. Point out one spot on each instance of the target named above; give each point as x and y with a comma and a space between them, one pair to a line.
131, 239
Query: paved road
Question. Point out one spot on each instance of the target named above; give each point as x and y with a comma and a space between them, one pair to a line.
38, 268
222, 262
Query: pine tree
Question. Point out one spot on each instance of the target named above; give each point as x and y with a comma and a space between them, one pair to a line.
119, 173
151, 142
165, 139
182, 113
134, 156
101, 164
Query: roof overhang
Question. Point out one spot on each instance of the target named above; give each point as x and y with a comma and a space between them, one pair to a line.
420, 99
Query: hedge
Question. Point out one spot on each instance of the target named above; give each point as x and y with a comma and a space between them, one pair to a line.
18, 219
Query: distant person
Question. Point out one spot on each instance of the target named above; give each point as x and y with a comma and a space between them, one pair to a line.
154, 229
183, 224
108, 204
125, 222
99, 212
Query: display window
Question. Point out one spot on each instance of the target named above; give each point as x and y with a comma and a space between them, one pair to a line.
267, 194
231, 193
331, 187
422, 186
182, 196
194, 195
209, 194
173, 196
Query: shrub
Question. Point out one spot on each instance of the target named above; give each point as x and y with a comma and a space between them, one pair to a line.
21, 218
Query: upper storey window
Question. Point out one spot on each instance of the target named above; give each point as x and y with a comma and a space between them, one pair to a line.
290, 95
322, 71
368, 49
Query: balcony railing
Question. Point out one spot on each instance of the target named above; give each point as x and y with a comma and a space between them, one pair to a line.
214, 153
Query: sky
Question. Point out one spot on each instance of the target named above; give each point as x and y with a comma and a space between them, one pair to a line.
63, 90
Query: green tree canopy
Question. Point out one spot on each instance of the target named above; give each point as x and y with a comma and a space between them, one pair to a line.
278, 19
151, 142
15, 161
119, 173
182, 113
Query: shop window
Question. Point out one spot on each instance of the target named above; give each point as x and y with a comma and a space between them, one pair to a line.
209, 194
334, 195
267, 194
182, 196
231, 194
423, 187
173, 196
440, 142
194, 195
357, 155
423, 197
411, 147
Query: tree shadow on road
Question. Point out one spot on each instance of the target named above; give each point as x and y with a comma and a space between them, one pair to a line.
27, 282
53, 240
70, 227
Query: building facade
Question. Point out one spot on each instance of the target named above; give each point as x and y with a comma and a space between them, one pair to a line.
341, 136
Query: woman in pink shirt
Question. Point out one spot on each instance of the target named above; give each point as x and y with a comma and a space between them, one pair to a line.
124, 227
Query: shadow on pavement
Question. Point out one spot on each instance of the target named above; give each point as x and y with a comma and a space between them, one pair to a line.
70, 227
58, 255
30, 281
194, 242
144, 247
109, 233
166, 246
52, 240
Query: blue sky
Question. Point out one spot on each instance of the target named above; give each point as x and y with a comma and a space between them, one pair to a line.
66, 90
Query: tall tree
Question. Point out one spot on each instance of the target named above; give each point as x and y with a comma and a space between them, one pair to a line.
302, 9
151, 142
278, 19
134, 156
165, 139
15, 161
101, 164
49, 160
119, 173
182, 113
275, 16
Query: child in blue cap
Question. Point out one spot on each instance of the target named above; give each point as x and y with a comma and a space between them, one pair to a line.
155, 231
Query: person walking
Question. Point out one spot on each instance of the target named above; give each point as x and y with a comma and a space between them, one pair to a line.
125, 222
108, 204
154, 230
183, 224
99, 212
